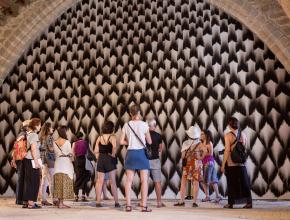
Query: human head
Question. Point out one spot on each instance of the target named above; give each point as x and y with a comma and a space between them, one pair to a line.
79, 135
46, 130
206, 136
34, 124
62, 131
108, 127
152, 123
233, 123
134, 110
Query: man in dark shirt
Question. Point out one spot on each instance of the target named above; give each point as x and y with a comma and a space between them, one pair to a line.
155, 164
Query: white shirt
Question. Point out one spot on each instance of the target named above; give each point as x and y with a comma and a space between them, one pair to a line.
63, 164
140, 128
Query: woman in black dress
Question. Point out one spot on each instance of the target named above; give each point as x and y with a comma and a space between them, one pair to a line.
237, 178
105, 151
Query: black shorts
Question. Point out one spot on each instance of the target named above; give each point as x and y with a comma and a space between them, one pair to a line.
106, 163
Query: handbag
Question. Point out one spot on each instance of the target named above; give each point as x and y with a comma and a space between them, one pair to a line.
238, 154
148, 151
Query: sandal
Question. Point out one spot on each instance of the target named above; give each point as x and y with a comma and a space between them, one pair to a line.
194, 205
128, 208
206, 199
248, 206
35, 206
179, 204
228, 206
99, 205
146, 209
117, 205
218, 199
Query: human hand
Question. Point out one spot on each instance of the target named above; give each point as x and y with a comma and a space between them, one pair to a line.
37, 165
222, 169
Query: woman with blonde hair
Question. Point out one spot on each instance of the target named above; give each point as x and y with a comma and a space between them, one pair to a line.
135, 134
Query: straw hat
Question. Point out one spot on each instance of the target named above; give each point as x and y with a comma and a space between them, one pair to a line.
193, 132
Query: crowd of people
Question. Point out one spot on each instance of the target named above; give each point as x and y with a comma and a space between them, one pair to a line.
56, 167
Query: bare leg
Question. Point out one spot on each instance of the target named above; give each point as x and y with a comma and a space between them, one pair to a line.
104, 190
99, 185
158, 193
195, 190
144, 187
129, 181
206, 191
183, 188
112, 176
216, 190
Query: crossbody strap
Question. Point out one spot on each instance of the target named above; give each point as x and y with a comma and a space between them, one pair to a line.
63, 155
137, 136
238, 136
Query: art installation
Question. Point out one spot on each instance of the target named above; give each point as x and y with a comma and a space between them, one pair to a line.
184, 61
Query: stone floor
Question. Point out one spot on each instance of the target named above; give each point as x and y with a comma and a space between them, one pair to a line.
265, 210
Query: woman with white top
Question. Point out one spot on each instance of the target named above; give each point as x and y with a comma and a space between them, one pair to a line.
63, 168
135, 134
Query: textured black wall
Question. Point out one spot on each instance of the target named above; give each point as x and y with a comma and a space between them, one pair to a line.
184, 61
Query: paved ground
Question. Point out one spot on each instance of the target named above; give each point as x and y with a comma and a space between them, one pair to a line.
265, 210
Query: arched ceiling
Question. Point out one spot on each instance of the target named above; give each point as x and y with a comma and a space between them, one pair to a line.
266, 18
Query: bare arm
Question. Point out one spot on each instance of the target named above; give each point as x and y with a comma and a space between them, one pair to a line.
73, 150
114, 143
227, 151
160, 147
96, 151
210, 149
148, 137
123, 139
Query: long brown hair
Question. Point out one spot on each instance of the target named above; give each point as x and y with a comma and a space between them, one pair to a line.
208, 136
44, 132
62, 132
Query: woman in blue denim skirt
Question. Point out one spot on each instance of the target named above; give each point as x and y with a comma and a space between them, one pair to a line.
135, 134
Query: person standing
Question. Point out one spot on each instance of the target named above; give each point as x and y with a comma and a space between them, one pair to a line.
191, 164
63, 168
17, 160
209, 172
32, 165
80, 149
154, 161
48, 158
135, 134
105, 150
236, 173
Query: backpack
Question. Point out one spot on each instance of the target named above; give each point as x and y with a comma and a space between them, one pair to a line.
239, 153
20, 148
